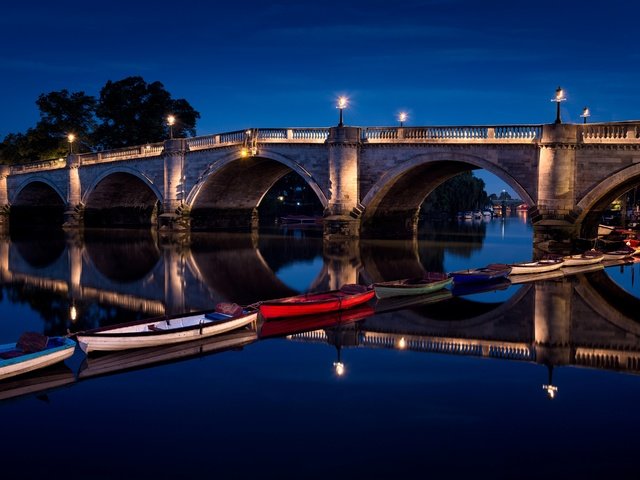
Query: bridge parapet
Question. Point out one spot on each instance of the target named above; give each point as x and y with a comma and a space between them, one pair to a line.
611, 133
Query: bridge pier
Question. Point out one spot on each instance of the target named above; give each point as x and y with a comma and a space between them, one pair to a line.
5, 171
343, 220
552, 322
554, 216
175, 215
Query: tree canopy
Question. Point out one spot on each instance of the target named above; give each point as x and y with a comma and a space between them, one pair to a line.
446, 200
128, 112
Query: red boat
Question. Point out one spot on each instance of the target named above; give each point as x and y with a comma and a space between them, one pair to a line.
309, 323
348, 296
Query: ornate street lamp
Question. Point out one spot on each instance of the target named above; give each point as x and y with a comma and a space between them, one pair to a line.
559, 97
402, 118
171, 120
585, 114
342, 104
71, 138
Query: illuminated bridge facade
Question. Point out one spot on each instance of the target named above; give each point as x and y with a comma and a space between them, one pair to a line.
370, 181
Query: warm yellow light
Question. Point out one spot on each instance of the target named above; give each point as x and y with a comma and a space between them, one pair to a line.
248, 132
551, 391
339, 368
560, 97
244, 152
171, 120
71, 137
342, 102
73, 313
402, 344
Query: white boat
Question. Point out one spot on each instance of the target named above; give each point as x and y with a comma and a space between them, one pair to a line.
589, 257
539, 266
620, 254
165, 330
17, 358
604, 230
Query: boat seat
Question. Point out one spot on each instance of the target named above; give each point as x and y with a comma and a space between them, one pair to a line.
154, 328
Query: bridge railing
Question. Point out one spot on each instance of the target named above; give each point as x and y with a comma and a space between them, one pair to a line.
599, 133
40, 165
452, 133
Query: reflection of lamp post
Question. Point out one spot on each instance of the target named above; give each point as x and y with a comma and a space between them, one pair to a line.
560, 97
73, 313
550, 388
402, 118
170, 121
71, 138
585, 114
342, 104
338, 366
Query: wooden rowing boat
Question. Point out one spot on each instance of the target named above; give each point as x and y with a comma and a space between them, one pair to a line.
430, 282
32, 352
539, 266
620, 253
307, 323
490, 273
166, 330
348, 296
589, 257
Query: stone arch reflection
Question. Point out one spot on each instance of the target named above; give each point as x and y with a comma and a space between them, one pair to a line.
122, 256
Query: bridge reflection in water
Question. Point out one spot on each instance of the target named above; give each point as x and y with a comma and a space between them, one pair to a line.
584, 320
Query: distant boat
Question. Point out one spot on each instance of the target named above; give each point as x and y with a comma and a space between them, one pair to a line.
348, 296
468, 215
589, 257
300, 220
428, 283
539, 266
398, 303
167, 330
33, 351
489, 273
604, 230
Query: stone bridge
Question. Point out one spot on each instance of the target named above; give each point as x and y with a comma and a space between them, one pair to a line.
370, 181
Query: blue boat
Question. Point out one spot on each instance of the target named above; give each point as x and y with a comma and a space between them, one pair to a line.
33, 351
490, 273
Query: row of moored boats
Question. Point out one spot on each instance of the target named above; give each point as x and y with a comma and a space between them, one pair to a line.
33, 351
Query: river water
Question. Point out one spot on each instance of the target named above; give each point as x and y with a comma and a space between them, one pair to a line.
454, 387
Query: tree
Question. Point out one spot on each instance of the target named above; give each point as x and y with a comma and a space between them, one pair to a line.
61, 113
134, 112
460, 193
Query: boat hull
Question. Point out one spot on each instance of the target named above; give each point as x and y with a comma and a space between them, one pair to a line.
541, 266
153, 333
313, 304
399, 289
29, 362
581, 260
490, 273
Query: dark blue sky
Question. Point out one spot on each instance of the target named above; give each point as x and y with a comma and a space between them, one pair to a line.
283, 63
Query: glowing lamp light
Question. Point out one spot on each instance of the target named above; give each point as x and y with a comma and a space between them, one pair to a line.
71, 138
244, 152
171, 120
402, 118
551, 390
402, 343
342, 104
585, 114
73, 313
559, 97
339, 368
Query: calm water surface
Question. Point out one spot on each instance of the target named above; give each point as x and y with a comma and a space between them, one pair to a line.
450, 388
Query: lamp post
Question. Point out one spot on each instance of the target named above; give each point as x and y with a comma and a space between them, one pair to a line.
560, 97
170, 121
71, 138
402, 118
585, 114
342, 104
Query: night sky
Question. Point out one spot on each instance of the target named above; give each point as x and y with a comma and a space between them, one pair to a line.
283, 63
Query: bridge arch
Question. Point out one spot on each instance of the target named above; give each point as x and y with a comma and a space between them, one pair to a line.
598, 198
37, 202
393, 202
227, 194
105, 204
